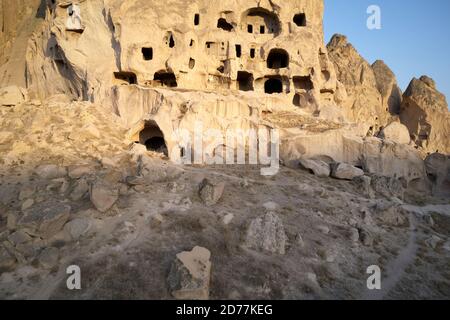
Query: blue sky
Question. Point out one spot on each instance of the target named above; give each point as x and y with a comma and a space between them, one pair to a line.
414, 38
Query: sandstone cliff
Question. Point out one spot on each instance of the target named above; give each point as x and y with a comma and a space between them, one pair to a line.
425, 112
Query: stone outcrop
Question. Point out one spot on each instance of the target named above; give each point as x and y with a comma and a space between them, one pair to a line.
190, 275
364, 102
424, 111
317, 167
438, 170
391, 94
396, 132
12, 95
266, 233
210, 193
345, 171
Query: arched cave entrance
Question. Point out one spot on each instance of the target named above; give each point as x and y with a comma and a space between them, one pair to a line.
261, 20
277, 59
273, 85
153, 138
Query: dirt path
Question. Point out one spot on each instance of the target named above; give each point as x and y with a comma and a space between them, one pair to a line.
396, 268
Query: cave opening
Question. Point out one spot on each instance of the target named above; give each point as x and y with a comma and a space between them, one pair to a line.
300, 20
147, 53
153, 138
224, 25
166, 79
125, 77
273, 85
277, 59
245, 81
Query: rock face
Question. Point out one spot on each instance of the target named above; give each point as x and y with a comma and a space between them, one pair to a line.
391, 94
266, 233
45, 219
211, 193
190, 274
396, 132
18, 20
103, 196
11, 96
438, 170
424, 111
364, 102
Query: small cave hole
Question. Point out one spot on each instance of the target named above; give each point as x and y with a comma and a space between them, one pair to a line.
300, 20
153, 138
224, 25
273, 85
197, 19
277, 59
126, 77
191, 63
166, 79
147, 53
245, 81
238, 51
303, 83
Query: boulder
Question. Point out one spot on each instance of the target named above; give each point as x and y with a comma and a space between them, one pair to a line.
396, 132
266, 233
190, 274
49, 257
103, 196
318, 167
12, 96
50, 171
80, 189
345, 171
7, 261
27, 192
19, 237
78, 171
45, 219
77, 228
211, 193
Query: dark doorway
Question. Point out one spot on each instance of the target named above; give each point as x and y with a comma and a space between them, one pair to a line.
155, 144
147, 53
273, 85
277, 59
167, 79
245, 81
224, 25
153, 138
238, 51
128, 77
300, 20
304, 83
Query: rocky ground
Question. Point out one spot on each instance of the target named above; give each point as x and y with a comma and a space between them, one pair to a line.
73, 191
